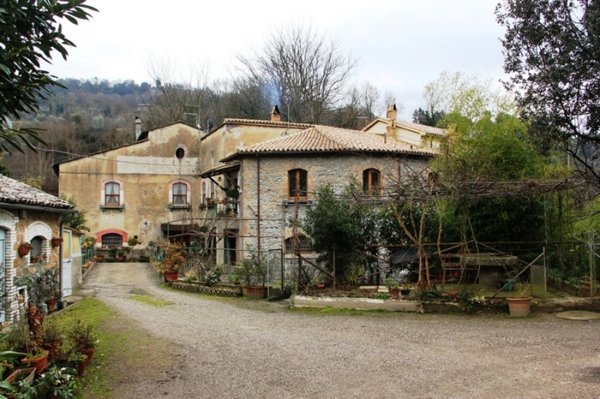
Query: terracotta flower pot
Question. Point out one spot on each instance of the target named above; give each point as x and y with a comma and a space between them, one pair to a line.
52, 304
519, 306
39, 361
171, 276
27, 374
24, 249
56, 241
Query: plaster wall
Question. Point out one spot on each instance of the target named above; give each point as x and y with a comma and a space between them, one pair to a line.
145, 172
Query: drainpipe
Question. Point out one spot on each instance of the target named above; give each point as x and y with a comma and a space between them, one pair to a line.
60, 258
258, 204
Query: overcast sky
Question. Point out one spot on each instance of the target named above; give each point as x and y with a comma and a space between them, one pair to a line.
400, 45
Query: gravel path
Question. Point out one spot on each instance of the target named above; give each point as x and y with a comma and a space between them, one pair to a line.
229, 351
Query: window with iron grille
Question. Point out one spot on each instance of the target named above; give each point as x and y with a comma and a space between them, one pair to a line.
304, 244
112, 240
180, 191
297, 183
112, 194
371, 181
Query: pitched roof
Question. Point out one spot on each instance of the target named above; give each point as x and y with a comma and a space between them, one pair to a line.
142, 139
327, 139
259, 122
416, 127
15, 192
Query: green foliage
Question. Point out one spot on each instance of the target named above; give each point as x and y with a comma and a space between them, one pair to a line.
336, 226
551, 50
491, 149
253, 269
30, 32
75, 220
469, 302
428, 117
82, 336
214, 277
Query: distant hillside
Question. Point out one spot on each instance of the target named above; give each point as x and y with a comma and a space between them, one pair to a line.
86, 116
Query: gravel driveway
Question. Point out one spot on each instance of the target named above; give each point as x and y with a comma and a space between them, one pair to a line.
230, 351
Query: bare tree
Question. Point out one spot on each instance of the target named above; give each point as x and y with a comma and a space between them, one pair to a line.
171, 100
305, 71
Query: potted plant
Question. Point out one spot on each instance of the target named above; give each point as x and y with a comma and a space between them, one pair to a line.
37, 356
393, 287
24, 249
254, 272
233, 193
52, 340
519, 305
56, 241
173, 261
83, 344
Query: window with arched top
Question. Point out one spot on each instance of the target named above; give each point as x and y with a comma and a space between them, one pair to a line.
371, 181
297, 183
38, 249
112, 194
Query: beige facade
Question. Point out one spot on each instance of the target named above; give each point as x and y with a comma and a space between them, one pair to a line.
148, 189
413, 134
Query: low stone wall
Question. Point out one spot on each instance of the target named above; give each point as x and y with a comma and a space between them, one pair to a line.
221, 290
396, 305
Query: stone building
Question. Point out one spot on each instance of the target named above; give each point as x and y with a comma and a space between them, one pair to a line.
278, 179
30, 244
149, 189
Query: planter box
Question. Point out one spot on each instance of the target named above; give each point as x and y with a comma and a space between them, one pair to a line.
254, 291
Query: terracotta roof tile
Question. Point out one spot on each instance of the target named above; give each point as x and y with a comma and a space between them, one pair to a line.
425, 129
15, 192
323, 139
259, 122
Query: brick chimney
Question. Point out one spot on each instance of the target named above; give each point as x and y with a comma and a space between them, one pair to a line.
392, 112
390, 130
275, 114
138, 128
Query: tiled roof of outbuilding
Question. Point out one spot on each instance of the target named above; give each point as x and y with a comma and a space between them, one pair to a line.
324, 139
15, 192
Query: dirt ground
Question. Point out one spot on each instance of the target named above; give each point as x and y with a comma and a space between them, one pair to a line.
235, 348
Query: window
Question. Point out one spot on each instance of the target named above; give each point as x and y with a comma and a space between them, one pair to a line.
112, 194
112, 240
304, 244
180, 192
371, 181
179, 153
36, 254
297, 183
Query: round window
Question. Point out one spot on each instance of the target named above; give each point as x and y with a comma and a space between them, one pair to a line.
180, 153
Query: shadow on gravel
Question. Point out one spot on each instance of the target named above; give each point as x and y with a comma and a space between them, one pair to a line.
590, 375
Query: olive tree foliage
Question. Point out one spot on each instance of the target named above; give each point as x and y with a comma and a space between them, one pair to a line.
552, 56
464, 95
30, 32
305, 71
